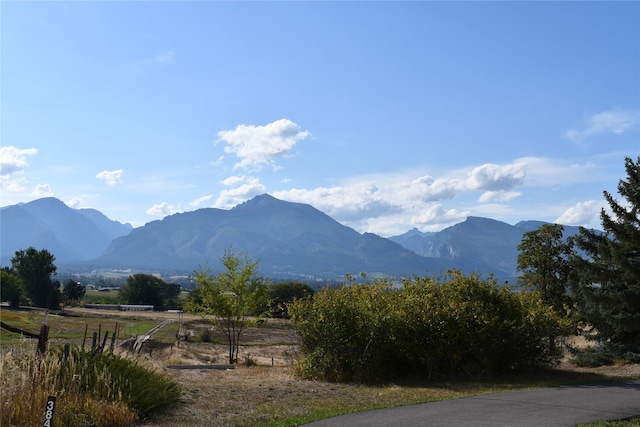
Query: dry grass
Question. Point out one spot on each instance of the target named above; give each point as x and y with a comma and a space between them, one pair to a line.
266, 395
271, 396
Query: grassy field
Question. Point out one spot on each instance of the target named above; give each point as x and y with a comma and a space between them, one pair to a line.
264, 392
72, 328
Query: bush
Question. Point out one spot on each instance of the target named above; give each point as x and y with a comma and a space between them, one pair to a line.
101, 390
206, 335
456, 325
603, 354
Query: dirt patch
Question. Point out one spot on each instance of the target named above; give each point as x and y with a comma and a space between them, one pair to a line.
267, 391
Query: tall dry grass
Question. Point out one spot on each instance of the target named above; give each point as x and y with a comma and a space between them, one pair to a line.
27, 380
91, 390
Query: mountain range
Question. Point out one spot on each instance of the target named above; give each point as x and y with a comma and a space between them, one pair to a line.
69, 234
291, 240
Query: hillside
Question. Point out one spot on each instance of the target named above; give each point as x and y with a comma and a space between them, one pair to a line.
290, 239
69, 234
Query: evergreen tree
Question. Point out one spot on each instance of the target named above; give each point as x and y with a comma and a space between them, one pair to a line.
544, 263
606, 280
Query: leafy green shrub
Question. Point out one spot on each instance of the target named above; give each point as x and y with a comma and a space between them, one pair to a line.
451, 326
206, 335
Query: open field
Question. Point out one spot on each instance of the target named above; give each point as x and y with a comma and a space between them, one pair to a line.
265, 394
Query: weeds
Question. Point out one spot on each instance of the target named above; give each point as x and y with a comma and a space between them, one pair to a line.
102, 390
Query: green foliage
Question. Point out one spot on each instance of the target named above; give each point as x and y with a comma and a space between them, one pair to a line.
284, 293
456, 325
231, 296
11, 289
141, 388
35, 268
73, 290
606, 283
544, 263
143, 289
206, 335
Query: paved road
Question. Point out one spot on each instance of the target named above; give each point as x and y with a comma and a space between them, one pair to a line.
549, 407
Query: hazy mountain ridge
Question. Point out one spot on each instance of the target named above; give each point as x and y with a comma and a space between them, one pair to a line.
289, 239
475, 244
69, 234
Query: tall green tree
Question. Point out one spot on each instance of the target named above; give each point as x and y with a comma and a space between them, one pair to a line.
231, 296
35, 268
606, 283
73, 290
143, 289
284, 293
543, 261
11, 289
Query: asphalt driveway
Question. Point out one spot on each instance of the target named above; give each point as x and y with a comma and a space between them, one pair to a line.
548, 407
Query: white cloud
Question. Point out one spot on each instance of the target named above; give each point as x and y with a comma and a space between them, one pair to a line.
42, 190
233, 180
232, 197
163, 209
498, 196
257, 146
13, 159
344, 202
389, 204
435, 216
75, 203
13, 162
429, 189
200, 200
616, 121
583, 213
111, 177
492, 177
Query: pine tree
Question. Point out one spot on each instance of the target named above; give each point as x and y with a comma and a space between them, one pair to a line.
606, 280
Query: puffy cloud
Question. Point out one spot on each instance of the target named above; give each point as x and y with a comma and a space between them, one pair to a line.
429, 189
232, 197
344, 202
163, 209
111, 177
75, 203
492, 177
582, 213
13, 161
42, 190
616, 121
256, 146
434, 216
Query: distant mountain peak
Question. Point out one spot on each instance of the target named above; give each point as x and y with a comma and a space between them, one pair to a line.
48, 223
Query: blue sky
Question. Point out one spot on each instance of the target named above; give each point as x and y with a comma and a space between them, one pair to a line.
384, 115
